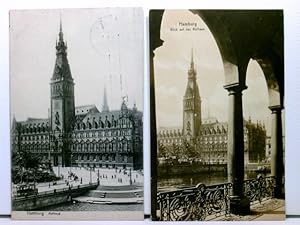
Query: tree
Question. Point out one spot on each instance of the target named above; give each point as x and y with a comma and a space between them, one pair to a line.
28, 167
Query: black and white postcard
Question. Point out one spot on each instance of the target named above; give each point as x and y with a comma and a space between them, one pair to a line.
76, 81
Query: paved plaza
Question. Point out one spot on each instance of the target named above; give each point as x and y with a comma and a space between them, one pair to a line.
74, 176
273, 209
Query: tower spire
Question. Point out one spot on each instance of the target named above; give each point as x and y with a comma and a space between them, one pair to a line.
105, 107
191, 103
62, 68
192, 72
61, 35
192, 59
60, 23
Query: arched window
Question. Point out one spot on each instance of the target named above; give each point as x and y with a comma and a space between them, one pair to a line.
92, 147
125, 146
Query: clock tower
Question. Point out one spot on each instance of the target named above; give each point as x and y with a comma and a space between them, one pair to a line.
62, 103
191, 105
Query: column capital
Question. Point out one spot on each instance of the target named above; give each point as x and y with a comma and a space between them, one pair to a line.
235, 88
276, 108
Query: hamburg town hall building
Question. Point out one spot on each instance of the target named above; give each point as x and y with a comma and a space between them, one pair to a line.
208, 134
83, 135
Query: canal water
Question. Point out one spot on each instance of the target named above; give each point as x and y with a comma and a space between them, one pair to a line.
174, 182
93, 207
171, 183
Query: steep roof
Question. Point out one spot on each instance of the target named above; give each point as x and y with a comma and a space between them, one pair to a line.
85, 109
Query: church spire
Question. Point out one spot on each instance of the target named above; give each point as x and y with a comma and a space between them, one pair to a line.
14, 122
105, 107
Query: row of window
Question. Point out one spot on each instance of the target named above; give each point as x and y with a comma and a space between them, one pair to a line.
58, 88
104, 157
212, 142
179, 141
215, 138
34, 137
109, 133
211, 132
120, 123
38, 129
166, 141
211, 138
103, 147
221, 147
214, 155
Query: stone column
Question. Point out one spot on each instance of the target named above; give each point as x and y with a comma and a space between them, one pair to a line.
277, 150
235, 144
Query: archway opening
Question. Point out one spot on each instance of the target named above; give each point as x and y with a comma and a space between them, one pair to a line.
257, 116
172, 60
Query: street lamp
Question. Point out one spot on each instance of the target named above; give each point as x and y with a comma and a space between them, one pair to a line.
22, 169
90, 175
49, 150
71, 164
130, 178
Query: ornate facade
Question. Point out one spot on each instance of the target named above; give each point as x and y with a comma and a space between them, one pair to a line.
207, 137
82, 135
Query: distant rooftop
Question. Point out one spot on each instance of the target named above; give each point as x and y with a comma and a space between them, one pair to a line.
84, 109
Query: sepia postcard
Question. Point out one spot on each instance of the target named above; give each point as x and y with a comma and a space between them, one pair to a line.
217, 116
76, 88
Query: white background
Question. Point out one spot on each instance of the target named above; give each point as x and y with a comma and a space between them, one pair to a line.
292, 88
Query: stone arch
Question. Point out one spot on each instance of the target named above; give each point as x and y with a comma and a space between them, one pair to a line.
275, 90
224, 40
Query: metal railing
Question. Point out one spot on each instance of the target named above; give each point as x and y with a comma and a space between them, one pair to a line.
197, 203
260, 189
209, 202
58, 190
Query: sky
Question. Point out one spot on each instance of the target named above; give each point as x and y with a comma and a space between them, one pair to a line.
105, 49
171, 64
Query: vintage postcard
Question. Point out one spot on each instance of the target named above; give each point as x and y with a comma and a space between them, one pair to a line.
76, 79
217, 116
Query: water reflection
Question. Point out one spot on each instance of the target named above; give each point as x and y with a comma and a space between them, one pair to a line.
174, 182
